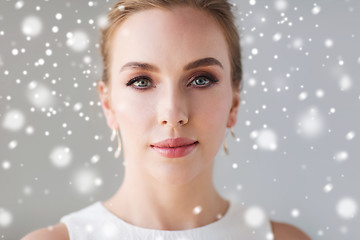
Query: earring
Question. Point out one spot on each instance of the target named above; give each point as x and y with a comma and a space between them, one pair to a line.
115, 133
225, 145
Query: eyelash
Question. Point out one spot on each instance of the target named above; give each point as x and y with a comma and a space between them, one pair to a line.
212, 80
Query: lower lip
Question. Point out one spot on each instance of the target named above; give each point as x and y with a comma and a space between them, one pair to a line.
175, 152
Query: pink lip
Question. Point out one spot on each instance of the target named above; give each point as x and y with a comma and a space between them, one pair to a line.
174, 142
175, 147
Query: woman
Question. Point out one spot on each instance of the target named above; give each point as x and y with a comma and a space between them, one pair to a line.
171, 86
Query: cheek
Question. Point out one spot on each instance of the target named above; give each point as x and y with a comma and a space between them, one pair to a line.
214, 107
212, 114
210, 124
130, 105
132, 114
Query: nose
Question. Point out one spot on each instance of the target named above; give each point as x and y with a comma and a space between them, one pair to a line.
173, 110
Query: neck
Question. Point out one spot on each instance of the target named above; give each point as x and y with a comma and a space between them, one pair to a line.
145, 202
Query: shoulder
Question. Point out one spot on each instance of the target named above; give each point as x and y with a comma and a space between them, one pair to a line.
284, 231
56, 232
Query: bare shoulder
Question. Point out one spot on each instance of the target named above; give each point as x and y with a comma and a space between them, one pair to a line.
56, 232
284, 231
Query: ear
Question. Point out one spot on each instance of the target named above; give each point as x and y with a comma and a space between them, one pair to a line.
105, 97
234, 109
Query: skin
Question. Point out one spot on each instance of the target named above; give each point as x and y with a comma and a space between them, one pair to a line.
173, 105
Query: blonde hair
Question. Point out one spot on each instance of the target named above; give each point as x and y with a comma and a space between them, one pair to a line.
220, 10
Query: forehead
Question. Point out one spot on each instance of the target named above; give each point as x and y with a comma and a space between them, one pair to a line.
169, 37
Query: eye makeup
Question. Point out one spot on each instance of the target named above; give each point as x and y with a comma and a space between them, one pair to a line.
208, 78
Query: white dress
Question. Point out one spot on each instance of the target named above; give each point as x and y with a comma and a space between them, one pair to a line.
95, 222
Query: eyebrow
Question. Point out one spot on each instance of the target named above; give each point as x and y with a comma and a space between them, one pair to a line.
204, 62
144, 66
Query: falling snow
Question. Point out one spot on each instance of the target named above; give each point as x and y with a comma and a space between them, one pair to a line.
347, 208
350, 135
32, 26
295, 213
84, 181
95, 159
277, 37
110, 230
329, 43
281, 5
197, 210
14, 120
61, 156
320, 93
6, 218
311, 123
297, 121
19, 4
328, 187
12, 145
254, 216
345, 83
101, 21
316, 10
78, 40
39, 95
341, 156
266, 139
6, 165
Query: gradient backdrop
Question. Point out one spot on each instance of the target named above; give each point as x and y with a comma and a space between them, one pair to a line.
298, 152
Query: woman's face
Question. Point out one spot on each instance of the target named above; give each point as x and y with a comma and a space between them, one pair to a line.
170, 78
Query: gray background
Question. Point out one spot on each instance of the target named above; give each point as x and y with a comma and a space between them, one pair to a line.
315, 164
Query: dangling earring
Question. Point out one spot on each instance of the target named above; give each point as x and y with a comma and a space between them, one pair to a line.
226, 150
115, 133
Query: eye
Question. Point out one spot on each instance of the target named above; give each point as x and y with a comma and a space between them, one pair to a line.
144, 82
203, 80
139, 82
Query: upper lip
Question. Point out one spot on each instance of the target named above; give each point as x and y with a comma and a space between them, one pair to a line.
174, 142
